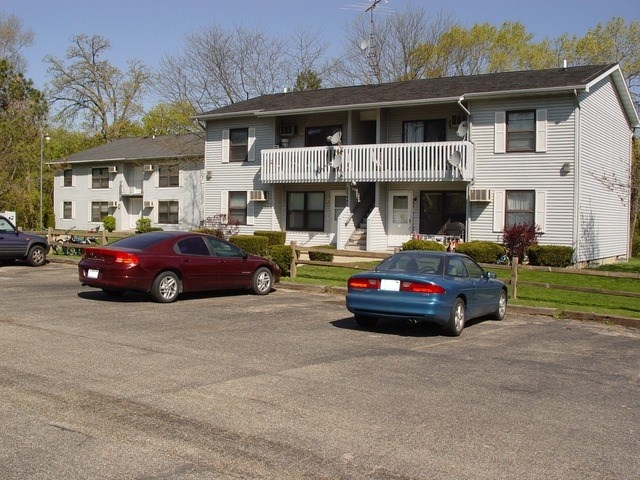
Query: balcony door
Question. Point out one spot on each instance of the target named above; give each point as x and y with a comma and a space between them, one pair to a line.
399, 216
338, 203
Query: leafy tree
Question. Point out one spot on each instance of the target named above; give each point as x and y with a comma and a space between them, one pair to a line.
107, 99
23, 111
170, 118
13, 38
614, 42
307, 80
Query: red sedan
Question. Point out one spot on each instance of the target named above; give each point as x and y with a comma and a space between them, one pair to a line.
166, 264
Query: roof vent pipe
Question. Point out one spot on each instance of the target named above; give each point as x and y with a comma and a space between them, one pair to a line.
564, 64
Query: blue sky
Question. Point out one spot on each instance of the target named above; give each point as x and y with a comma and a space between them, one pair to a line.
145, 29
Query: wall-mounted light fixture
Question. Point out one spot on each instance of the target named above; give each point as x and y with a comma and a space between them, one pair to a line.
566, 167
209, 175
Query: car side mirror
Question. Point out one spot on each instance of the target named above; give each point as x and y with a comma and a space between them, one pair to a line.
489, 275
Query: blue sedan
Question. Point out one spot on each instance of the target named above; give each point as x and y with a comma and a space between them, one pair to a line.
443, 288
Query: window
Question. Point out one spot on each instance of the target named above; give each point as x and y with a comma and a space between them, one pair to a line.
520, 207
223, 249
424, 131
439, 208
169, 176
99, 210
238, 207
305, 211
67, 178
317, 136
521, 131
238, 144
168, 212
193, 246
67, 210
99, 178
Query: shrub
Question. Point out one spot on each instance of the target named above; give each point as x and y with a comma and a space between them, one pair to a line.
416, 244
283, 256
322, 256
482, 251
550, 255
518, 238
275, 237
143, 225
109, 223
251, 243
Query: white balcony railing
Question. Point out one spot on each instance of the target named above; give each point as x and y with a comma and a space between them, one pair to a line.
402, 162
131, 188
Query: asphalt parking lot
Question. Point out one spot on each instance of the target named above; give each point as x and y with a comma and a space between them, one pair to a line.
236, 386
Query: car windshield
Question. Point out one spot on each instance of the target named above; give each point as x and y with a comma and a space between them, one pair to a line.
418, 263
140, 242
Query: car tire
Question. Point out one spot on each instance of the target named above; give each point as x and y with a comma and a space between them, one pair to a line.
365, 322
166, 287
501, 309
262, 281
36, 256
456, 318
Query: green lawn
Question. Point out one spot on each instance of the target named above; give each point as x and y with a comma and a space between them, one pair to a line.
527, 295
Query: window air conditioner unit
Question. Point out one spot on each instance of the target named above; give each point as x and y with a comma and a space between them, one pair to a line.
113, 204
258, 195
480, 195
148, 168
113, 169
149, 204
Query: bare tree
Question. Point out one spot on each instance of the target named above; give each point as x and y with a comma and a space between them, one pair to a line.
13, 38
394, 37
107, 100
218, 67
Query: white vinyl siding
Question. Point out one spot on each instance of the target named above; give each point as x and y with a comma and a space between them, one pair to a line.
539, 171
604, 155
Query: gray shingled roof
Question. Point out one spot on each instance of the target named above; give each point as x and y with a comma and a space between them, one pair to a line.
426, 90
144, 148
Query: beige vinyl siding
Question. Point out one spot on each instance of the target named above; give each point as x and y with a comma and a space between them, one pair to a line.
603, 211
539, 171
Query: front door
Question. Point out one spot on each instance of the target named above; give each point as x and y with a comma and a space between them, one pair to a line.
338, 203
399, 216
132, 214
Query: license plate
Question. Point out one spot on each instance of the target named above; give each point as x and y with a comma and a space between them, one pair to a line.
386, 284
92, 273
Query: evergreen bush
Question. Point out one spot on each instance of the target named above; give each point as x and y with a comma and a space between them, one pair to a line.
322, 256
417, 244
251, 243
282, 255
275, 237
482, 251
550, 255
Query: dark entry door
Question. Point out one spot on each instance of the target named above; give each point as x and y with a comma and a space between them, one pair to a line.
439, 208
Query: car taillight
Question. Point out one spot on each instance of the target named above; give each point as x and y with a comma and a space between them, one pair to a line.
364, 283
417, 287
126, 259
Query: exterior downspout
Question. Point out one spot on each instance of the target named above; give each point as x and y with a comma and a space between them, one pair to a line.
468, 232
576, 181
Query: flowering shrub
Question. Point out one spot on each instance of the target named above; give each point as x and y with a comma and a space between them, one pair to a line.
518, 238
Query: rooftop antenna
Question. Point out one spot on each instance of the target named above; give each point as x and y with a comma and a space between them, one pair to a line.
370, 45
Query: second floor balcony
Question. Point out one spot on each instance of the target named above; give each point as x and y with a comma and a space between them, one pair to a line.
397, 162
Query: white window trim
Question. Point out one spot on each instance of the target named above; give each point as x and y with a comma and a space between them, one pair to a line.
499, 210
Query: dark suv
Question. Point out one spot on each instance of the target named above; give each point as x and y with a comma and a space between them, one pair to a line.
17, 245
